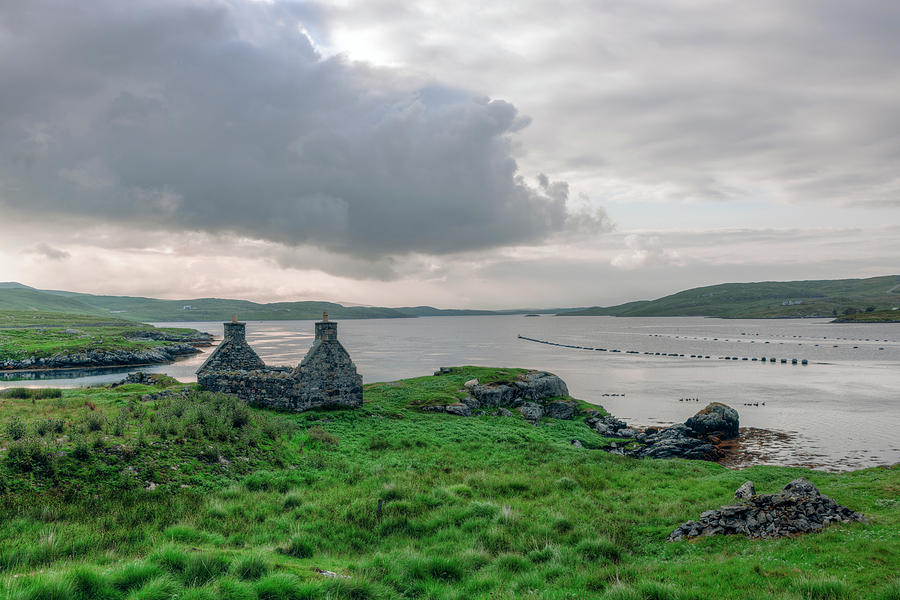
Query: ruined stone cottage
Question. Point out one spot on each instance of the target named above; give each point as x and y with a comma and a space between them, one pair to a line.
325, 377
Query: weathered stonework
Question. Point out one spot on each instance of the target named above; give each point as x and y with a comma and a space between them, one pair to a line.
234, 353
325, 378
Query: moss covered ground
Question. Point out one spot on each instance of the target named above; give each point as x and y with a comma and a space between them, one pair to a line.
35, 334
164, 492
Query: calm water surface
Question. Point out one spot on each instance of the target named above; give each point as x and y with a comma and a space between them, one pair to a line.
843, 409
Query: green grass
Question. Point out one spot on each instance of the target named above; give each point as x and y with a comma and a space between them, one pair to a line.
249, 504
32, 334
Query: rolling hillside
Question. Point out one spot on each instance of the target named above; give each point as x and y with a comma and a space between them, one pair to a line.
15, 296
769, 299
197, 309
20, 297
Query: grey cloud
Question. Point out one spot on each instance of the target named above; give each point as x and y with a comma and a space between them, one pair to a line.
645, 252
221, 117
47, 251
676, 99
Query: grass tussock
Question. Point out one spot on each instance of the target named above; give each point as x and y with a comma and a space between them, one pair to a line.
22, 393
247, 504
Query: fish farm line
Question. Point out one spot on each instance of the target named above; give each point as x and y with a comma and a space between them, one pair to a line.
762, 359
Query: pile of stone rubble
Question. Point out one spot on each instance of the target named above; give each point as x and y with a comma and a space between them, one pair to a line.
798, 508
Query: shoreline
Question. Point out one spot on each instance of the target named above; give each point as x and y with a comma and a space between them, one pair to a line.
754, 447
757, 447
155, 355
173, 358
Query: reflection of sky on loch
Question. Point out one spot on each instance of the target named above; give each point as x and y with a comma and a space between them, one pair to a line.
843, 404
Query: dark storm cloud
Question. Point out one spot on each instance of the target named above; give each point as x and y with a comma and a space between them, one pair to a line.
222, 117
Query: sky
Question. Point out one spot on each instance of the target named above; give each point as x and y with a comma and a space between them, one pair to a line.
464, 154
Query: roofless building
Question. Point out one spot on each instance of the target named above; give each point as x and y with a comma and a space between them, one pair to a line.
325, 377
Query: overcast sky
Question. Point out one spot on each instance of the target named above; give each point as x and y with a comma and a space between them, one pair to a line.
464, 154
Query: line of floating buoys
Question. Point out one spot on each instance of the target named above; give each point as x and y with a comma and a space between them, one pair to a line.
763, 359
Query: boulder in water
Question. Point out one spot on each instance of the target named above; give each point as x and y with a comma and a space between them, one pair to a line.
716, 419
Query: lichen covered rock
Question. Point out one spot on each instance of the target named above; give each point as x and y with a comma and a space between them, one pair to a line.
536, 394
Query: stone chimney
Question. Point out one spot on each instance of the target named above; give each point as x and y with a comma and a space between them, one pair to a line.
235, 332
326, 331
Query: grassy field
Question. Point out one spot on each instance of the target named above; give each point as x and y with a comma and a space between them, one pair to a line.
248, 503
25, 333
766, 299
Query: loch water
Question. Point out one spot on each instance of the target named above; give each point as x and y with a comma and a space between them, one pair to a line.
840, 411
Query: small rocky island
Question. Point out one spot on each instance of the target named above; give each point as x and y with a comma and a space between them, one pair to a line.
48, 344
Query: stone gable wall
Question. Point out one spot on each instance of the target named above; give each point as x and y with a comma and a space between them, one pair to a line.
233, 356
329, 376
326, 377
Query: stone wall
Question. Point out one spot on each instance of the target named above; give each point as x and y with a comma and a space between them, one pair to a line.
327, 376
234, 353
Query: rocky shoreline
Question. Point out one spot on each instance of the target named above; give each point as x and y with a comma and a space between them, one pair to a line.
179, 345
712, 434
91, 359
705, 436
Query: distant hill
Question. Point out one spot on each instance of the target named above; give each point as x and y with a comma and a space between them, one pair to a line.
26, 298
12, 285
430, 311
15, 296
768, 299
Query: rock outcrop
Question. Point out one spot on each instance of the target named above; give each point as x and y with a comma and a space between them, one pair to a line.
677, 441
535, 395
798, 508
716, 419
197, 338
695, 439
145, 379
